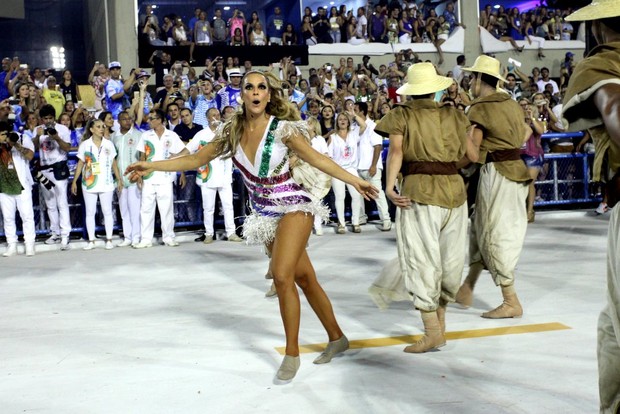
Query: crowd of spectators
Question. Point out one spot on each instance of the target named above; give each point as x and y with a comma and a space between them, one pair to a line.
36, 100
536, 25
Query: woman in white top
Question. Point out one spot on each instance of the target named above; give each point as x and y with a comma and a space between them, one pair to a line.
342, 146
355, 37
97, 161
202, 30
257, 35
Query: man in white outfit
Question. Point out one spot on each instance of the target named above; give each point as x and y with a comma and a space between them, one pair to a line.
54, 141
370, 166
158, 144
215, 178
126, 142
16, 191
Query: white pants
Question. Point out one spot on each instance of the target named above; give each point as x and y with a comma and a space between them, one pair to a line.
539, 40
382, 205
405, 39
499, 226
355, 41
57, 204
23, 204
608, 351
90, 203
208, 206
129, 204
431, 243
340, 193
162, 196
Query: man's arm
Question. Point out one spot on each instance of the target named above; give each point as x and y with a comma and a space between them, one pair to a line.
394, 164
607, 101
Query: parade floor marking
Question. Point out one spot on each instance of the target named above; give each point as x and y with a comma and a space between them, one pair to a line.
409, 339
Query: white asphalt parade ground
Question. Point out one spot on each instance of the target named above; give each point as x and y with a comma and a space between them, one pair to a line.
188, 330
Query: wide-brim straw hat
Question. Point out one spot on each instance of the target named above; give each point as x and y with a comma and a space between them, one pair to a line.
598, 9
422, 79
487, 65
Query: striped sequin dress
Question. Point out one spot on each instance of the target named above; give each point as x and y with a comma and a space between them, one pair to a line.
272, 192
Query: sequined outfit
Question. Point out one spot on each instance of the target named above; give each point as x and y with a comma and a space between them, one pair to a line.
272, 191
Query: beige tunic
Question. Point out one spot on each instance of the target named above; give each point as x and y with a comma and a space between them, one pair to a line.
432, 132
602, 67
501, 119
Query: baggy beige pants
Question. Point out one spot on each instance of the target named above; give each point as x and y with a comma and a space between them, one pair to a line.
499, 225
431, 243
608, 351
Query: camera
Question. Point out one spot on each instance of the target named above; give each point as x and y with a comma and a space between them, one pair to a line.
44, 181
13, 137
13, 101
50, 131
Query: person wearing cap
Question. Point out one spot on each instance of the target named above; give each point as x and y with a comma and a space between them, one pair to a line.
53, 96
231, 93
114, 90
139, 90
592, 102
428, 142
500, 217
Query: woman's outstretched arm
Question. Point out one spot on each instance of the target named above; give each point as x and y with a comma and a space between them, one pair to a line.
184, 163
305, 151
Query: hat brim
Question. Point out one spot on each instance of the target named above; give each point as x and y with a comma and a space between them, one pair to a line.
426, 88
596, 10
486, 72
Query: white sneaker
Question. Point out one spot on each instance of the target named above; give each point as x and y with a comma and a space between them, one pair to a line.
386, 226
29, 249
64, 243
11, 250
89, 246
208, 239
363, 220
53, 239
124, 243
142, 245
109, 245
171, 243
234, 238
601, 209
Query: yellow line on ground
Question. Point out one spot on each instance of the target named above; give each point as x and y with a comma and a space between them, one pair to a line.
408, 339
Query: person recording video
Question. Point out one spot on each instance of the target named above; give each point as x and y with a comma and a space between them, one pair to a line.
53, 141
16, 187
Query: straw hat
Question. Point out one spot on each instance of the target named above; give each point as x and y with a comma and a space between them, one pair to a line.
487, 65
598, 9
422, 79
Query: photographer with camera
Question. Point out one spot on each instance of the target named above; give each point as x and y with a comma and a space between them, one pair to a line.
53, 142
16, 187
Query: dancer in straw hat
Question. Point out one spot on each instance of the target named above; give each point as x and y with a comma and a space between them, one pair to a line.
428, 142
500, 216
592, 102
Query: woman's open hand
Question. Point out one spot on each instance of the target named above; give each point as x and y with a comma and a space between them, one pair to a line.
367, 190
137, 170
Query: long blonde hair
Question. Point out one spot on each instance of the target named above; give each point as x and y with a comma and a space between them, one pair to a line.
229, 134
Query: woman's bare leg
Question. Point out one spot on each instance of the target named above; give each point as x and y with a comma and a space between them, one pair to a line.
287, 249
438, 46
305, 277
532, 190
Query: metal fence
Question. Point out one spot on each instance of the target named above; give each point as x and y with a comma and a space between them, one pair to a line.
564, 179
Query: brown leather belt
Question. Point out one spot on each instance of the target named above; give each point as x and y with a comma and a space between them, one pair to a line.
512, 154
429, 167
